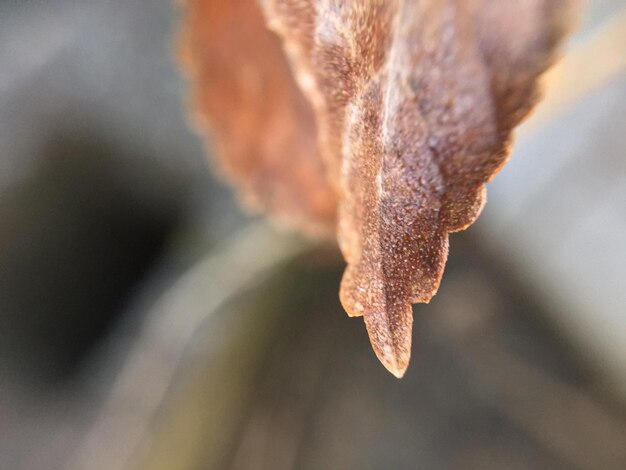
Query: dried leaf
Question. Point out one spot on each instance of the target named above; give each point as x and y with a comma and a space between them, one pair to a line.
415, 101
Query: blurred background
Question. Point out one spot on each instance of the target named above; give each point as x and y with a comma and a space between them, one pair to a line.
147, 323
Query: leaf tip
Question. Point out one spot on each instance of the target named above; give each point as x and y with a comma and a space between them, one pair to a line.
397, 369
394, 361
391, 340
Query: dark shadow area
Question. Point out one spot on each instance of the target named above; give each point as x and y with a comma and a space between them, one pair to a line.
76, 240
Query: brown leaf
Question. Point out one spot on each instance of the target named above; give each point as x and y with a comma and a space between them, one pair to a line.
415, 101
244, 96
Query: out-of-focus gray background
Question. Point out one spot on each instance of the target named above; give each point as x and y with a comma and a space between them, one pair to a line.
145, 322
